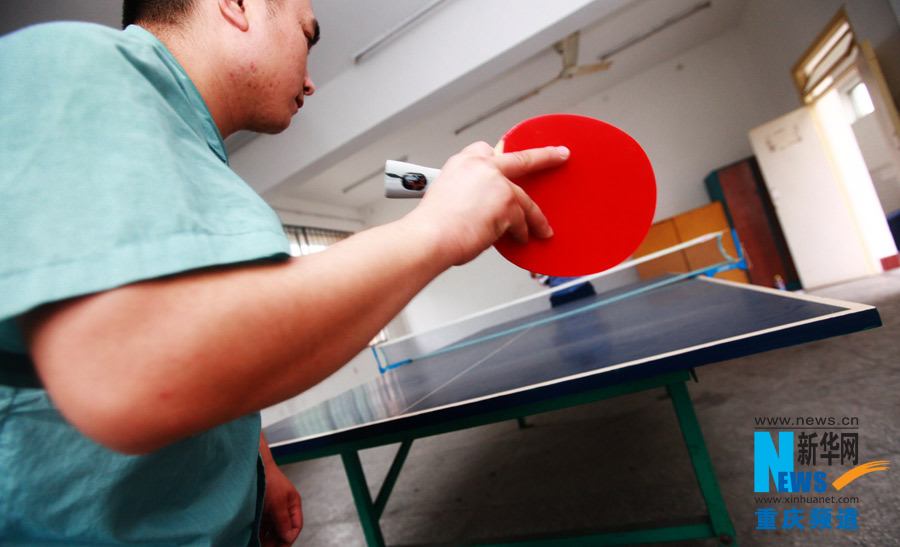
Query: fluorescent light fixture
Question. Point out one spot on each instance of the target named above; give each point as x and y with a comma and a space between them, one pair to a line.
370, 176
659, 28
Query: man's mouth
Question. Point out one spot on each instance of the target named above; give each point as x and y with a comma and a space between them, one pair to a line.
299, 100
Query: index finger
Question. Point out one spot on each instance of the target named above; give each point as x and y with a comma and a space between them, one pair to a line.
524, 162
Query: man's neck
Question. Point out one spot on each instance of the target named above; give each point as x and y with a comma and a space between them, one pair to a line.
198, 57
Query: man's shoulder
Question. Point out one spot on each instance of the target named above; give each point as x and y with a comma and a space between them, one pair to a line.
60, 48
56, 34
77, 53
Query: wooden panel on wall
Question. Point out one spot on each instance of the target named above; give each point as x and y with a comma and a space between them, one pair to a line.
701, 221
662, 235
747, 202
684, 227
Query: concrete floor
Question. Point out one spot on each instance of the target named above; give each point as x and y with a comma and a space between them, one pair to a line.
623, 460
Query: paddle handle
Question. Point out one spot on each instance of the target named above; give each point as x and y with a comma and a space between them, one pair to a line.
407, 180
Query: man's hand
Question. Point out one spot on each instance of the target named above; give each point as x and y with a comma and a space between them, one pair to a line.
472, 203
282, 517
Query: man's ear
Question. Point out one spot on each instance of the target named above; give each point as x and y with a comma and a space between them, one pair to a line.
234, 12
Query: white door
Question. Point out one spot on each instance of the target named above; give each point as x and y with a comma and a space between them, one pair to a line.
809, 200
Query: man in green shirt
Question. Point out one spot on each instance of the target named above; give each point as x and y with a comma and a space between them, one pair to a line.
148, 307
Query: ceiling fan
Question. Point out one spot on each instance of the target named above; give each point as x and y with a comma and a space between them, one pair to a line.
568, 50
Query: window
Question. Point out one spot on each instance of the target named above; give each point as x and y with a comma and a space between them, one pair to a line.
306, 241
829, 58
860, 101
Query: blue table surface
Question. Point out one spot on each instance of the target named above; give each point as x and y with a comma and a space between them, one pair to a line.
675, 327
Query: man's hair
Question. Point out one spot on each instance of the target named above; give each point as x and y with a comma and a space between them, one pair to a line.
169, 12
154, 11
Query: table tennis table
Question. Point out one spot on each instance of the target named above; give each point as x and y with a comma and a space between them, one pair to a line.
648, 335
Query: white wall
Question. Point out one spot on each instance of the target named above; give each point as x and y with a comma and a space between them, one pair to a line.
690, 114
877, 155
861, 195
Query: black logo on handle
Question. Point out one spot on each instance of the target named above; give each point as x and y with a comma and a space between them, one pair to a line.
411, 181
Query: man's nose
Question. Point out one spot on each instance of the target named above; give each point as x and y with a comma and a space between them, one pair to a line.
308, 86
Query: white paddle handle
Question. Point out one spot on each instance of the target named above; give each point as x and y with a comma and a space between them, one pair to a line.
407, 180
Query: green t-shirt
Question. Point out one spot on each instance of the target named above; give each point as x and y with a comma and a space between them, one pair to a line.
113, 171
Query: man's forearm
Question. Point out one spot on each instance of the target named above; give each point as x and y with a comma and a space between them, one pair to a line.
144, 365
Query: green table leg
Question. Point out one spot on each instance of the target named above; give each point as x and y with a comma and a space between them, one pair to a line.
370, 511
719, 525
368, 517
391, 479
703, 468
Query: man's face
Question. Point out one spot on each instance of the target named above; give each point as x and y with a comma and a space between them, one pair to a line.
277, 79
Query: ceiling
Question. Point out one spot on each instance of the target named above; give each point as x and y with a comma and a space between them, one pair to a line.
348, 180
347, 25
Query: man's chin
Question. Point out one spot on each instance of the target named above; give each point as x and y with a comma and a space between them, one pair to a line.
271, 126
276, 129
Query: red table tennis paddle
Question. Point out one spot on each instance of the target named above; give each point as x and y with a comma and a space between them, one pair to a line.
600, 203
